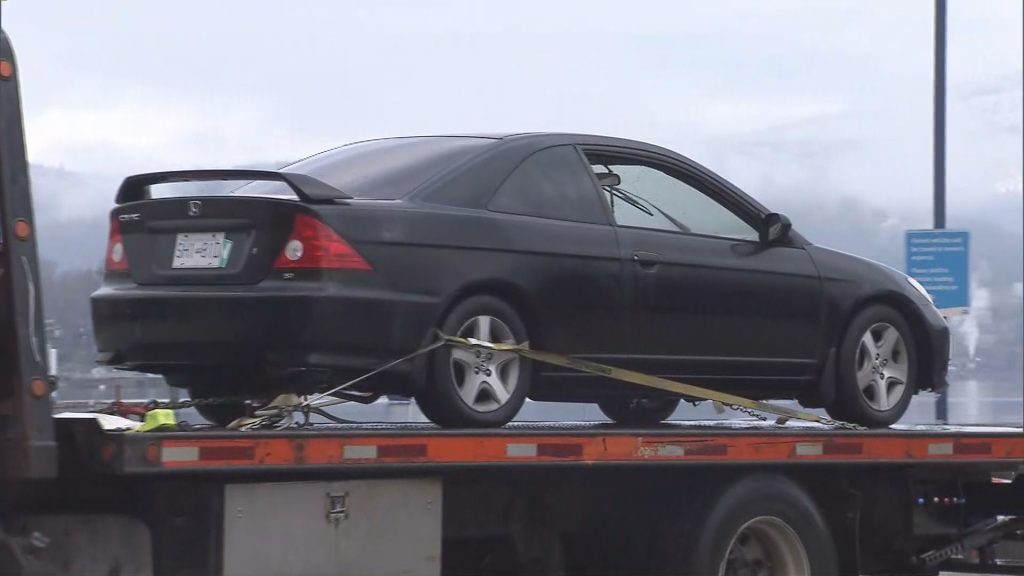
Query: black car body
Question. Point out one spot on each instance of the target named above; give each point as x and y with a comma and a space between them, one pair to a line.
665, 268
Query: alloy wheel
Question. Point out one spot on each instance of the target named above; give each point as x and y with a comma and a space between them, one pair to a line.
485, 379
883, 365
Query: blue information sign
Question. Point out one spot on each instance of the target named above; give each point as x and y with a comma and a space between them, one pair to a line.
938, 259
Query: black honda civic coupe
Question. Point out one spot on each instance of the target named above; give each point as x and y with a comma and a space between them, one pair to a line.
612, 250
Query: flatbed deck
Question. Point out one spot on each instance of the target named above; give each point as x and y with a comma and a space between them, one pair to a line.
376, 445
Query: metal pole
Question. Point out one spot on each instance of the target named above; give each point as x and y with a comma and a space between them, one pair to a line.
939, 161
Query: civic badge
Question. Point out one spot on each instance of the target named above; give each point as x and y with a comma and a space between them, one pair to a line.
195, 208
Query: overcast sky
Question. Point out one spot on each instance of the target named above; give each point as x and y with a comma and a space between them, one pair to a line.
835, 91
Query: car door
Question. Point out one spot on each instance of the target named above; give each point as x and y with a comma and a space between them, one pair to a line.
707, 300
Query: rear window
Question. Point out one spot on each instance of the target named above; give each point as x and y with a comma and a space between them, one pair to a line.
378, 169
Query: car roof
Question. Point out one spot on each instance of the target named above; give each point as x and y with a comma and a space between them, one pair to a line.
576, 137
541, 139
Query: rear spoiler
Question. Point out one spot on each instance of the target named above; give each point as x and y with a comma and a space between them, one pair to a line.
307, 188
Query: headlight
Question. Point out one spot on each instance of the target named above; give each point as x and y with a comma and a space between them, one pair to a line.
917, 286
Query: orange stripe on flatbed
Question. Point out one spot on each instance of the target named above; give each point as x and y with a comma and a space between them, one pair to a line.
975, 448
402, 451
470, 449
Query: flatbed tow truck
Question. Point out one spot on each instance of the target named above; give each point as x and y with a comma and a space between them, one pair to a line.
714, 497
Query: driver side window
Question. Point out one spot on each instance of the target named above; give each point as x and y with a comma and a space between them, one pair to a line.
648, 197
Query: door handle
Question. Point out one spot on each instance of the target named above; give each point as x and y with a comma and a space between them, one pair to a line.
646, 260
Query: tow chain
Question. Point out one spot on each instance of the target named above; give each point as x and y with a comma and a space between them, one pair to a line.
280, 413
119, 407
819, 419
842, 424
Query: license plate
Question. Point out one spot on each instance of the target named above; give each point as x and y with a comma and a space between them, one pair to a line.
201, 250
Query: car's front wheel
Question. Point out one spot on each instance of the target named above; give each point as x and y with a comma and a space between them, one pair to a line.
877, 363
639, 410
477, 387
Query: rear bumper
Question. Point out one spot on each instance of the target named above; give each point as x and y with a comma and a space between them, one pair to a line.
277, 326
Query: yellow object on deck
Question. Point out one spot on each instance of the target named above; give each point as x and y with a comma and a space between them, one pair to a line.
160, 420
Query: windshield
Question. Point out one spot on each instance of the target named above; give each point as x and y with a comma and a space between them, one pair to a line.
376, 169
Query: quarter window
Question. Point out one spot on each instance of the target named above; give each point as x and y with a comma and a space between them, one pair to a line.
551, 183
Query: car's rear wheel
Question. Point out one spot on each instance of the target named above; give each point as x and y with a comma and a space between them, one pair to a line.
220, 413
214, 396
477, 388
638, 410
877, 363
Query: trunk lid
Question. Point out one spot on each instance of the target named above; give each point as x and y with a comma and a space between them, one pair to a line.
203, 240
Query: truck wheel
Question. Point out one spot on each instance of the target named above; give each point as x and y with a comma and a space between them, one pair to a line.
638, 411
477, 388
877, 362
763, 524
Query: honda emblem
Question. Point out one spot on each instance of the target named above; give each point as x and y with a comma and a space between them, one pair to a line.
195, 208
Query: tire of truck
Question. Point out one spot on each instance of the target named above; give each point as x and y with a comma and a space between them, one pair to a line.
477, 388
763, 524
637, 411
877, 363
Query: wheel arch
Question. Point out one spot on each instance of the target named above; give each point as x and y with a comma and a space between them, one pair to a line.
509, 292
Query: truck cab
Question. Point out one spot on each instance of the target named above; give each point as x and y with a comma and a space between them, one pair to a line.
29, 448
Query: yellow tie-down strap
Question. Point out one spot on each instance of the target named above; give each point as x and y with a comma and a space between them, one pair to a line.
720, 399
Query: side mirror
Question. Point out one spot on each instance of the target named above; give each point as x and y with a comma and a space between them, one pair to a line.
608, 179
774, 227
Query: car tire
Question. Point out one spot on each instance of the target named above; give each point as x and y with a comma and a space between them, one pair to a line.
763, 518
477, 388
638, 410
877, 369
202, 387
222, 413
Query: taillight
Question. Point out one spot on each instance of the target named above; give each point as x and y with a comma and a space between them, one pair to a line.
314, 245
117, 259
